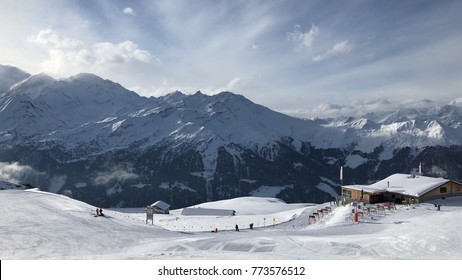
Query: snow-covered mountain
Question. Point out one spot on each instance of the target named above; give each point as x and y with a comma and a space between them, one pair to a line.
99, 142
9, 76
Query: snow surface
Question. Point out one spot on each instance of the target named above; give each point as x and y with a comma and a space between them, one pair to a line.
40, 225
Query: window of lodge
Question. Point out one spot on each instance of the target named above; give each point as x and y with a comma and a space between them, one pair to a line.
347, 193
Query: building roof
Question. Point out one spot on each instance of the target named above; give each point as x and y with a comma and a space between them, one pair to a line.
161, 205
412, 185
207, 212
365, 188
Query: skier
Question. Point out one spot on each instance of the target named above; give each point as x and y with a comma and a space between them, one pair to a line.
97, 212
237, 227
101, 212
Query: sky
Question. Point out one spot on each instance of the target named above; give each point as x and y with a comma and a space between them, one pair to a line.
305, 58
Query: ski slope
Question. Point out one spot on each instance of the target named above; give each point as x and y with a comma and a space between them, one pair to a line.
41, 225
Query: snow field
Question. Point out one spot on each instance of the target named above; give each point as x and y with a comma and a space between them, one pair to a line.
39, 225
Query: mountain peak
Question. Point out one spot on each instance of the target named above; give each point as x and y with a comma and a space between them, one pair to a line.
226, 94
87, 78
40, 77
33, 85
9, 70
175, 97
9, 76
230, 96
457, 102
83, 76
87, 84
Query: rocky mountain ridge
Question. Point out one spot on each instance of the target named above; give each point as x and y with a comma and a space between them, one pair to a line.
99, 142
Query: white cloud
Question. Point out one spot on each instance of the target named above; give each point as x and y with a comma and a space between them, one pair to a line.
67, 52
232, 84
50, 38
338, 49
85, 56
303, 41
129, 11
17, 173
115, 173
361, 108
120, 53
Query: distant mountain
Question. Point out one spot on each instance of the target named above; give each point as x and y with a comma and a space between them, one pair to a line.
94, 140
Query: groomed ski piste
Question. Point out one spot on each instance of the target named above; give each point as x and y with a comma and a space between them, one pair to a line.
41, 225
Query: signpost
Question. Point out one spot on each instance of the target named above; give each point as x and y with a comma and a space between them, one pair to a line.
150, 214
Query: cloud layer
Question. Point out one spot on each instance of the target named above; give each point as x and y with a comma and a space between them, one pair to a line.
115, 174
371, 108
17, 173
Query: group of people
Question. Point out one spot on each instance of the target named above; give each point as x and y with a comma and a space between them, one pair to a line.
99, 212
236, 228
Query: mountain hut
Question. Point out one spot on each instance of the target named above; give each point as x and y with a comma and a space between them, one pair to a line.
404, 188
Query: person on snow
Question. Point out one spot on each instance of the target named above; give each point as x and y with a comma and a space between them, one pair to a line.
101, 212
237, 227
97, 212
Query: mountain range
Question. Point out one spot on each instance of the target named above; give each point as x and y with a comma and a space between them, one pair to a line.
94, 140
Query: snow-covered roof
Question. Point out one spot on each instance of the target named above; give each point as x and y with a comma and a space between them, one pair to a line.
161, 205
365, 188
413, 185
207, 212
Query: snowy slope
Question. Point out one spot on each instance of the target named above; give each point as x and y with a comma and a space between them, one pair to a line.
38, 225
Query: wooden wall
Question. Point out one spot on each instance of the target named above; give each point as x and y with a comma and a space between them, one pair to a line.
449, 189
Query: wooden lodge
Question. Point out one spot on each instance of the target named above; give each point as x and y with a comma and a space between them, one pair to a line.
403, 188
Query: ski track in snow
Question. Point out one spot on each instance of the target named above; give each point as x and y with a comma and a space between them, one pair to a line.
40, 225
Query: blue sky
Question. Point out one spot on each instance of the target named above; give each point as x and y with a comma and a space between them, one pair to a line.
297, 57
